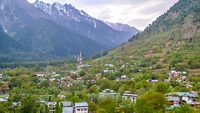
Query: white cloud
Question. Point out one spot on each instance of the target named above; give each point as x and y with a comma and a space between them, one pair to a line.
138, 13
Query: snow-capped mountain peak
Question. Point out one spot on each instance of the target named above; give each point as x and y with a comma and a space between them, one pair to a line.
41, 5
66, 11
79, 21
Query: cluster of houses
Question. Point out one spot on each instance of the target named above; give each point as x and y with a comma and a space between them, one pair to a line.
175, 98
64, 81
179, 77
68, 107
178, 98
74, 77
126, 96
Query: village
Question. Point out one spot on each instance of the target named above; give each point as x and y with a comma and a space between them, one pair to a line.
80, 80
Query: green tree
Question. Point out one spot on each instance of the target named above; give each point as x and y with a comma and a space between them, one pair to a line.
162, 87
58, 108
184, 109
108, 104
30, 104
104, 84
93, 107
101, 111
126, 107
93, 89
53, 91
4, 107
123, 88
151, 102
82, 73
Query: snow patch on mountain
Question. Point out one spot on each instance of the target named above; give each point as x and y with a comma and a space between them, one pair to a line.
2, 7
122, 27
80, 22
5, 30
95, 24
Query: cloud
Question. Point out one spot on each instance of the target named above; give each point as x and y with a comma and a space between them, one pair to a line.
138, 13
140, 22
105, 14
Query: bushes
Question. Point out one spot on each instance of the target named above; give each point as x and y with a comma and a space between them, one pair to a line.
184, 109
194, 64
151, 102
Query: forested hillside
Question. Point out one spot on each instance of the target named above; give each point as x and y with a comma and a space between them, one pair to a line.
172, 41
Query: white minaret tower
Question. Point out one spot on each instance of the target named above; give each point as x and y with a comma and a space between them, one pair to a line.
79, 61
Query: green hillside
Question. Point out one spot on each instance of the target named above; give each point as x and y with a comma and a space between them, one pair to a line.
171, 42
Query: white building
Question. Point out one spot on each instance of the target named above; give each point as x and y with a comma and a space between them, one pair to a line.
123, 77
132, 97
152, 81
67, 107
107, 93
81, 107
109, 65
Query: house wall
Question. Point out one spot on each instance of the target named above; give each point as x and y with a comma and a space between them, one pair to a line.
132, 99
81, 110
185, 98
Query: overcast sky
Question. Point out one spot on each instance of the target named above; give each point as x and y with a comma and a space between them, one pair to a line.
137, 13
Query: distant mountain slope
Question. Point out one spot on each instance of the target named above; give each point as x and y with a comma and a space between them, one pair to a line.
67, 16
55, 31
7, 44
123, 27
39, 34
55, 40
8, 47
172, 41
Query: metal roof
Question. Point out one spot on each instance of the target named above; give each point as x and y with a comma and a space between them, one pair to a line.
81, 104
129, 94
173, 99
183, 94
67, 104
3, 99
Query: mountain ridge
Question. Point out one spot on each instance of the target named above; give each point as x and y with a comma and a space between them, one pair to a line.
170, 42
35, 31
45, 31
123, 27
67, 15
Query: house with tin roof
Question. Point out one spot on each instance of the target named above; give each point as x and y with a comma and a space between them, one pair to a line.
130, 96
178, 98
107, 93
81, 107
67, 107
